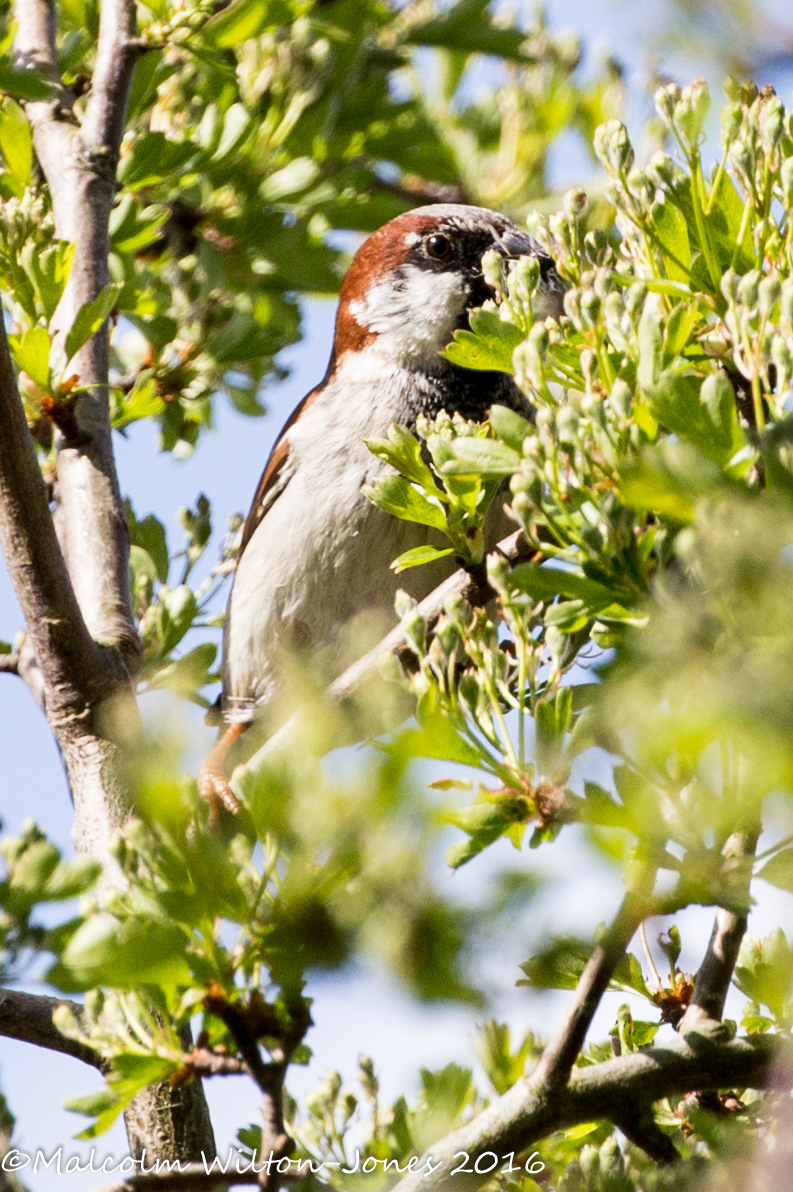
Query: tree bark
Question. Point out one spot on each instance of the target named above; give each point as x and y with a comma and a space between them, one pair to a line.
74, 593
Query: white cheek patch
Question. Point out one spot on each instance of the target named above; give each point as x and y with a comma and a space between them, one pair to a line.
413, 315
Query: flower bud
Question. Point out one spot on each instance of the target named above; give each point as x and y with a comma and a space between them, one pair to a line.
590, 308
768, 295
786, 181
748, 288
493, 270
523, 278
572, 307
613, 147
567, 422
772, 119
634, 298
691, 111
730, 285
786, 299
403, 604
497, 571
662, 168
666, 99
621, 399
731, 119
575, 202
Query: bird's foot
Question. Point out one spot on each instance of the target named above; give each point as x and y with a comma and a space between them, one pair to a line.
213, 785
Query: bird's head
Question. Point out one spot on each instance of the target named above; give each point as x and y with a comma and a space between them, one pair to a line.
412, 283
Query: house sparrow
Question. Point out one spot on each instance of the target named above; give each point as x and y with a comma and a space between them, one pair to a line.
315, 551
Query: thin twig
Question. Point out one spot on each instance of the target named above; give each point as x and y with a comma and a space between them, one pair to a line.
648, 956
556, 1061
712, 982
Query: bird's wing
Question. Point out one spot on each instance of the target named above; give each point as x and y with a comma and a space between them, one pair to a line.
273, 480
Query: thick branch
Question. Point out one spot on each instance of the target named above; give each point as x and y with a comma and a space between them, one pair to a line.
472, 587
117, 52
80, 173
9, 664
28, 1017
613, 1090
70, 661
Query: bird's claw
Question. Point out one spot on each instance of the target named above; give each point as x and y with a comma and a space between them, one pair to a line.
213, 786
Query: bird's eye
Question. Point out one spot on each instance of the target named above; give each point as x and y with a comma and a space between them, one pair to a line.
438, 247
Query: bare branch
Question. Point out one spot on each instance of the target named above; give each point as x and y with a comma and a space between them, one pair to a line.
117, 52
556, 1061
715, 974
9, 664
28, 1017
713, 979
613, 1091
473, 587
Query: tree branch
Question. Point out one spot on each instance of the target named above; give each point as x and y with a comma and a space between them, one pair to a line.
73, 667
28, 1017
715, 974
9, 664
556, 1061
80, 173
613, 1090
610, 1091
472, 586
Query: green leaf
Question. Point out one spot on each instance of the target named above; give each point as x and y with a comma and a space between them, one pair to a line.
93, 1104
510, 427
187, 674
418, 556
71, 878
243, 21
402, 451
488, 346
468, 29
237, 126
558, 966
32, 354
672, 232
545, 583
437, 738
89, 318
703, 412
16, 141
301, 173
179, 612
397, 496
23, 84
122, 954
779, 870
481, 456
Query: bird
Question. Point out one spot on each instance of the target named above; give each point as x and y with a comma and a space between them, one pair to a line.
314, 551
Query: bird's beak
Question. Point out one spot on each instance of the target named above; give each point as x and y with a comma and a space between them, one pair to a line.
513, 244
